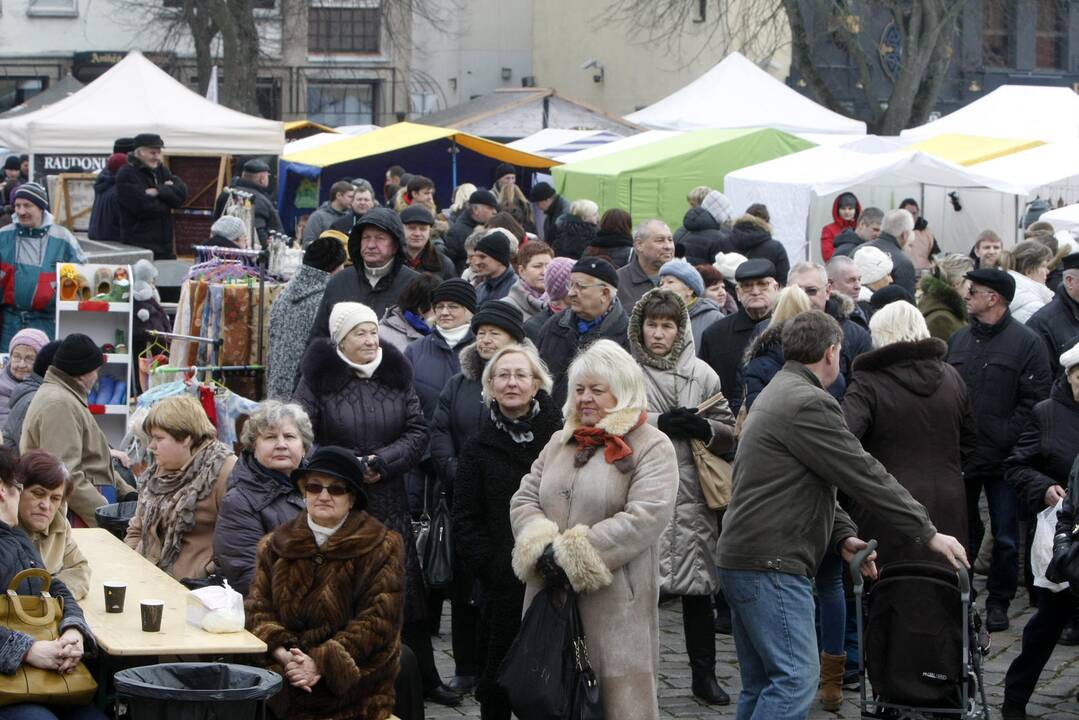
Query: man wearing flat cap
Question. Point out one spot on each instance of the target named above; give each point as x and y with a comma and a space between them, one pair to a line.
255, 181
1006, 369
148, 193
1058, 322
593, 312
482, 206
724, 344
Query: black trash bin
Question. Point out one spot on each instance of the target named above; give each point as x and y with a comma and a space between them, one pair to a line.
116, 517
194, 691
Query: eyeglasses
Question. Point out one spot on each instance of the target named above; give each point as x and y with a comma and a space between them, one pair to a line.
811, 291
578, 286
973, 291
521, 377
313, 488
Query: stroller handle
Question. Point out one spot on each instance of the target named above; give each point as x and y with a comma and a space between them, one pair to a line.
856, 562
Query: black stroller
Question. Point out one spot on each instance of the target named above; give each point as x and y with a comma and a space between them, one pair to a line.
918, 645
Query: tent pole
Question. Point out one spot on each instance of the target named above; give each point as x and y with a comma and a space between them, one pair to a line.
453, 162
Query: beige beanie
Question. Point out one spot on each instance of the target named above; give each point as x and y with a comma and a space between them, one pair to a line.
873, 264
347, 315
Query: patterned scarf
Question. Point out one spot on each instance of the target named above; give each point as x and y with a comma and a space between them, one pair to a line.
168, 499
616, 451
519, 429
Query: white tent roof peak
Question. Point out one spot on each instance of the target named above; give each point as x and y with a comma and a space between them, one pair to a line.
738, 94
1011, 111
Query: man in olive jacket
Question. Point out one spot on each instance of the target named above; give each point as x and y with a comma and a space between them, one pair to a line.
794, 451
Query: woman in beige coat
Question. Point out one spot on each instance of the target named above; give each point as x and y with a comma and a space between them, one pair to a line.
676, 382
181, 492
600, 494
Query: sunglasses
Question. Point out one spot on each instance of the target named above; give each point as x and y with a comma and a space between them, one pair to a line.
314, 488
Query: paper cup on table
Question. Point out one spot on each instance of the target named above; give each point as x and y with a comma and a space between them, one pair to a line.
151, 615
115, 592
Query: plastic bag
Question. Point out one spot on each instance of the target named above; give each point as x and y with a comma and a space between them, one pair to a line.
216, 609
1041, 550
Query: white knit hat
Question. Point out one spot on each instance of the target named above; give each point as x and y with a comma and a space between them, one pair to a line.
727, 263
1070, 358
873, 264
347, 315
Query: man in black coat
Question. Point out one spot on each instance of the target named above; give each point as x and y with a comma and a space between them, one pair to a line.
1058, 322
1007, 372
594, 313
254, 180
378, 275
148, 193
482, 206
723, 345
895, 230
553, 206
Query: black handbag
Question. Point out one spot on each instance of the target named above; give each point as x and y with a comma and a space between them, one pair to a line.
585, 702
438, 555
537, 672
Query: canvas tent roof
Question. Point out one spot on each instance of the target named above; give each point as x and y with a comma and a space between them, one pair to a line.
136, 96
1012, 111
59, 90
969, 150
552, 142
615, 146
652, 180
1064, 218
738, 94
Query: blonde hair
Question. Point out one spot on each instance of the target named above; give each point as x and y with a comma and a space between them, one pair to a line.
181, 417
586, 210
461, 195
952, 268
510, 197
792, 301
897, 322
539, 368
607, 360
697, 195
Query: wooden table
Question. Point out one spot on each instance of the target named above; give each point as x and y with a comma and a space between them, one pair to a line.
121, 633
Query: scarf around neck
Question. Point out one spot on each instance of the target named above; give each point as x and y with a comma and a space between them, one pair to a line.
323, 534
364, 371
519, 429
418, 323
455, 335
616, 451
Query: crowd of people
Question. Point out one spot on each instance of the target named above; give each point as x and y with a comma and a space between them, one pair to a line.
567, 384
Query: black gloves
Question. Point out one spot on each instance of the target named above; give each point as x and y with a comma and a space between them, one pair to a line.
685, 423
554, 576
1056, 571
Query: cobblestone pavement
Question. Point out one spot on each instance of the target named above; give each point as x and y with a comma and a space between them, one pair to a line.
1054, 697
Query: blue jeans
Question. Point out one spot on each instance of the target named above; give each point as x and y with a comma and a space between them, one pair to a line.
832, 604
42, 712
1004, 524
774, 635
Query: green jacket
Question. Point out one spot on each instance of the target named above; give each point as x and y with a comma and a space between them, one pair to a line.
794, 452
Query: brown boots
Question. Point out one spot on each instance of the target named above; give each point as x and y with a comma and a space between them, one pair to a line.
831, 680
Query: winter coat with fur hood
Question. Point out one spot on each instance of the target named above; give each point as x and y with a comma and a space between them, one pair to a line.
910, 410
292, 315
701, 237
574, 236
380, 416
339, 604
687, 547
752, 237
944, 310
605, 524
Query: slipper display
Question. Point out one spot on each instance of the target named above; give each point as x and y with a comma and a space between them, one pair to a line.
119, 394
69, 283
102, 281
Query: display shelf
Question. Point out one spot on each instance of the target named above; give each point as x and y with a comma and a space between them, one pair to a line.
117, 358
108, 409
99, 306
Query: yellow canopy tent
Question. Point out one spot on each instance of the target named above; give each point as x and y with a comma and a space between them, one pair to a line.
968, 150
299, 129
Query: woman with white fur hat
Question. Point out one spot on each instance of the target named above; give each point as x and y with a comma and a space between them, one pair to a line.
875, 268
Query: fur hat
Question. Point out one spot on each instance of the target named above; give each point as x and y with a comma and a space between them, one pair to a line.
556, 278
873, 264
1070, 357
347, 315
727, 263
685, 272
718, 206
326, 253
142, 281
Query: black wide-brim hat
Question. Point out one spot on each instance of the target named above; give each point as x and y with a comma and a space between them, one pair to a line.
336, 462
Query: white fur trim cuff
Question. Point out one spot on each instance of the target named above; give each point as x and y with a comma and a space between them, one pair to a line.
529, 545
582, 563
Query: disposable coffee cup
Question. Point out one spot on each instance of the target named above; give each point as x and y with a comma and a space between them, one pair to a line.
151, 615
115, 592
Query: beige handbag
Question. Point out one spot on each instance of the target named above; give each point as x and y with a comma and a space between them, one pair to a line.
40, 618
713, 472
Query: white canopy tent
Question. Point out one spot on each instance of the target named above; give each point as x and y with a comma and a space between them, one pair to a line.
644, 138
799, 190
324, 138
1011, 111
1064, 218
553, 142
136, 96
738, 94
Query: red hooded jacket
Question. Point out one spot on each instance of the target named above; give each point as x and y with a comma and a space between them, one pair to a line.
831, 230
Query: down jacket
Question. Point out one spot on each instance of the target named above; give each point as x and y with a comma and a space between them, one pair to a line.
434, 362
752, 237
257, 501
146, 221
1046, 449
292, 316
381, 416
1030, 297
339, 603
1058, 325
105, 213
574, 237
458, 416
604, 524
701, 237
687, 547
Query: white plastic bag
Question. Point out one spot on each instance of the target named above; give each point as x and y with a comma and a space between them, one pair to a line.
216, 609
1041, 550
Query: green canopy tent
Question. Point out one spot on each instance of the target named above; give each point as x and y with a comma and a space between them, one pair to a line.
652, 180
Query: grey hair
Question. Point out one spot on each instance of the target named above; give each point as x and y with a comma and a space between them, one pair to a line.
361, 185
271, 414
897, 322
607, 360
514, 243
897, 223
808, 267
539, 368
952, 268
586, 210
642, 231
474, 238
839, 263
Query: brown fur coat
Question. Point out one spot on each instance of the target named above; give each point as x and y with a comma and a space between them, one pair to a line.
342, 605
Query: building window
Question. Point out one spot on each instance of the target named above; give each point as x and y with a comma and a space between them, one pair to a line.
53, 8
336, 103
333, 28
14, 91
998, 32
1051, 35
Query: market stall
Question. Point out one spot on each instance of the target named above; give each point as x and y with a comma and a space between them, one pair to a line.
1011, 111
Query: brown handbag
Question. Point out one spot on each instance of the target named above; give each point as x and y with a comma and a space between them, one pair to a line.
40, 617
713, 473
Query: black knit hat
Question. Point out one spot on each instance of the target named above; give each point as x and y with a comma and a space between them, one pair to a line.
496, 245
417, 214
11, 162
123, 145
337, 462
597, 268
483, 197
504, 169
541, 191
455, 290
326, 253
78, 355
44, 357
998, 281
502, 315
890, 294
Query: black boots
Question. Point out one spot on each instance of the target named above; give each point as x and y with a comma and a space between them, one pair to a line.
698, 626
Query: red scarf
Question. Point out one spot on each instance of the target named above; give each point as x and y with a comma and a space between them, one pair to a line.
614, 447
